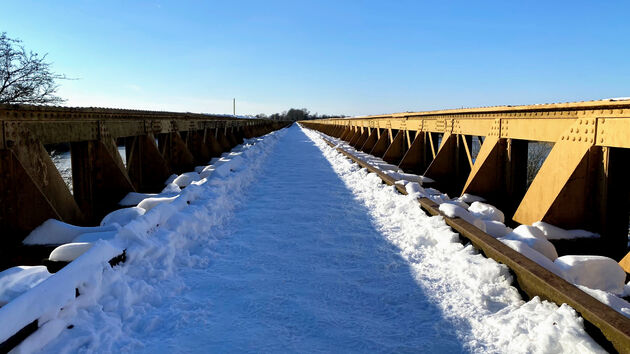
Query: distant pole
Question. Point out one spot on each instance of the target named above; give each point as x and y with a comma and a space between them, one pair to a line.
234, 106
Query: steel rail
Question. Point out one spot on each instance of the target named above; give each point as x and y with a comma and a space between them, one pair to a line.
52, 125
605, 123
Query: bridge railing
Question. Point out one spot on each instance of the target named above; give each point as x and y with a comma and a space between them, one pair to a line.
584, 183
157, 144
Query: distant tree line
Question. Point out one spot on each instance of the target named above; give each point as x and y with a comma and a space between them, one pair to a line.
295, 114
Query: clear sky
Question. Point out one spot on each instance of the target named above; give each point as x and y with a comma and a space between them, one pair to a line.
335, 57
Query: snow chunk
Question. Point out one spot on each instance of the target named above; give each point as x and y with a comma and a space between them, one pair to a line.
170, 179
458, 203
206, 173
453, 211
401, 182
409, 177
133, 198
595, 272
552, 232
150, 203
69, 252
439, 198
496, 228
170, 188
432, 191
208, 168
469, 198
486, 211
522, 248
540, 244
426, 179
55, 232
185, 179
122, 216
17, 280
384, 166
620, 305
529, 231
414, 188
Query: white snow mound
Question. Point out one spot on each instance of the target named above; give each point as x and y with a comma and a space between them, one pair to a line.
69, 252
170, 179
415, 188
470, 198
151, 203
122, 216
55, 232
529, 231
185, 179
523, 233
17, 280
171, 188
620, 305
486, 211
133, 198
534, 255
595, 272
553, 232
455, 211
496, 228
458, 203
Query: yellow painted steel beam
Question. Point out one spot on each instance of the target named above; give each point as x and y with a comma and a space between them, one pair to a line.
545, 123
586, 137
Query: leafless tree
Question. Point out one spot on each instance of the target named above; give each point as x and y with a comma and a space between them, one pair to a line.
25, 77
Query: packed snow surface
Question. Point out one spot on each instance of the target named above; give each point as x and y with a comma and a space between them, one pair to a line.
291, 247
17, 280
474, 292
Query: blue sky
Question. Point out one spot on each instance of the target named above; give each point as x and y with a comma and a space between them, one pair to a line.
336, 57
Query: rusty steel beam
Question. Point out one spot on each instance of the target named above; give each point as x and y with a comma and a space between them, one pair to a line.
146, 166
52, 125
100, 179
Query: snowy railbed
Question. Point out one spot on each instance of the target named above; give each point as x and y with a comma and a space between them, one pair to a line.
473, 291
601, 277
150, 235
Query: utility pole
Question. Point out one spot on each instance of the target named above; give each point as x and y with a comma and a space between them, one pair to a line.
234, 106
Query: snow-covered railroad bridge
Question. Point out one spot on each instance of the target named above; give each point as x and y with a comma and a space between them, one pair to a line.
211, 234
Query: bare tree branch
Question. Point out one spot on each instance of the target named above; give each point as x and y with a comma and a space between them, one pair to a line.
25, 77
